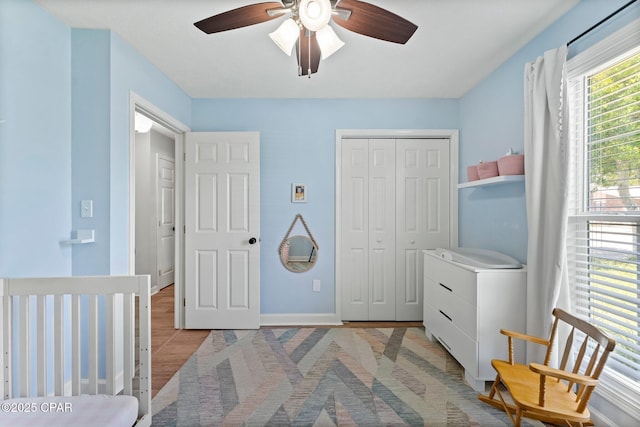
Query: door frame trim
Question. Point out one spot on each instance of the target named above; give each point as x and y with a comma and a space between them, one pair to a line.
138, 103
451, 134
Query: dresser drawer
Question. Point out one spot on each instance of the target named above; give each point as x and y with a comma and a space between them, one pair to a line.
461, 282
460, 312
451, 306
457, 343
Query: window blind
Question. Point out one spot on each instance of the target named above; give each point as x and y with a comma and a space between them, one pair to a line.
606, 282
603, 239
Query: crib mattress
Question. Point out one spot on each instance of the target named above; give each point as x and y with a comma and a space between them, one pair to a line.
85, 410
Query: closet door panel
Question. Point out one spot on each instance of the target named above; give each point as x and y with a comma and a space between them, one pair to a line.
382, 229
394, 203
422, 186
359, 289
354, 217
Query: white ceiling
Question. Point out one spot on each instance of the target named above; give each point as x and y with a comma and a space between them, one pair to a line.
457, 44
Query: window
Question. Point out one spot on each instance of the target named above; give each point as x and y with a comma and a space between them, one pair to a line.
603, 242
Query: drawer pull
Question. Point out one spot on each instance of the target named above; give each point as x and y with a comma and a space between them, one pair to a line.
446, 287
445, 315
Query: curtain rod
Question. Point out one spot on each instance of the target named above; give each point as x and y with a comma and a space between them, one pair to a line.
601, 22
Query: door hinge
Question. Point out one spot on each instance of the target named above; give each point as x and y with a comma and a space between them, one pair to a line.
185, 156
184, 302
184, 229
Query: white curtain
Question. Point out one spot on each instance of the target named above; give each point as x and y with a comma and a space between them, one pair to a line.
546, 183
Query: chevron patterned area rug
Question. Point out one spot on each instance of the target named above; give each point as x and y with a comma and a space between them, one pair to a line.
321, 377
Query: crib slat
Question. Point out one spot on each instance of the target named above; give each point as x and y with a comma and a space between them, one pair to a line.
23, 330
75, 345
144, 304
128, 344
6, 342
58, 345
93, 345
41, 345
110, 341
30, 350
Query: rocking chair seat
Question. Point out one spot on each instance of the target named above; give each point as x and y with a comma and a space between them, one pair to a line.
552, 395
522, 383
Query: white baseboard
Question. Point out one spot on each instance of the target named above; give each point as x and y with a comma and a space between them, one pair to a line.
600, 419
300, 319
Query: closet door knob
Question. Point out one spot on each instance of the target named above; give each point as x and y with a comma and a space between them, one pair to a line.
413, 242
379, 240
252, 241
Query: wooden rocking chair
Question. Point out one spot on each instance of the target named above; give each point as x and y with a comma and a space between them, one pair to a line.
552, 395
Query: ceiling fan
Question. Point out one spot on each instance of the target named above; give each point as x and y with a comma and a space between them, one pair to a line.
307, 27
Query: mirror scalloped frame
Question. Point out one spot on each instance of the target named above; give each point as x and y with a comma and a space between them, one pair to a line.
298, 253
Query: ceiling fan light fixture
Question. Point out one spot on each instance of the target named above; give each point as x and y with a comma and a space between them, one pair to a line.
328, 41
286, 35
314, 14
143, 123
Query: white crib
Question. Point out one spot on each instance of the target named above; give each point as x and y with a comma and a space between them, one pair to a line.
55, 324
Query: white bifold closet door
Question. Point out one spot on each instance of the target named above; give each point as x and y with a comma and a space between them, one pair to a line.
394, 204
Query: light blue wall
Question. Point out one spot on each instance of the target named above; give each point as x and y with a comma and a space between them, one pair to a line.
106, 71
91, 63
35, 141
35, 148
130, 72
298, 139
491, 117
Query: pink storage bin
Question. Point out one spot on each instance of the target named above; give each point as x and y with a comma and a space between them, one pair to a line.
487, 169
472, 173
512, 164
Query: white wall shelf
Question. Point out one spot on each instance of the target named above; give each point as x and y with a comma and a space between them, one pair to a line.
82, 237
496, 180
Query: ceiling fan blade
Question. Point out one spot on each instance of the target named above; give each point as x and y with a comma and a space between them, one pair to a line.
308, 53
238, 18
373, 21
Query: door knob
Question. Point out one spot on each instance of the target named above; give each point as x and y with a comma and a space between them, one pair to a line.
252, 241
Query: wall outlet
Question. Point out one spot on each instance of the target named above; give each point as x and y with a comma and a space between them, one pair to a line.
316, 285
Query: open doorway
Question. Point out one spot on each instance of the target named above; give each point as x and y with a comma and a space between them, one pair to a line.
155, 202
162, 219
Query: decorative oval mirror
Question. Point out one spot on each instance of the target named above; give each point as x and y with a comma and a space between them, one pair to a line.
298, 253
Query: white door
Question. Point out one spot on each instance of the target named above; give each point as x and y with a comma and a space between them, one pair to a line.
394, 203
422, 198
165, 184
368, 229
382, 244
222, 219
355, 228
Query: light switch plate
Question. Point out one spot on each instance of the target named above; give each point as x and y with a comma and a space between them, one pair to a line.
316, 285
86, 208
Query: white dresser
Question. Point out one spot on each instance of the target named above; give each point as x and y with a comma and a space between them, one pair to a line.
465, 307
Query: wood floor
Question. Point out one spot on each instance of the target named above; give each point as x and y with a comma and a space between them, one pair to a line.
171, 348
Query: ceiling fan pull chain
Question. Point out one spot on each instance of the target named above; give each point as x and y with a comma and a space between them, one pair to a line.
309, 52
299, 56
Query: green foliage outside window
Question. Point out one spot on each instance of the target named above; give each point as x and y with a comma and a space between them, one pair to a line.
613, 132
